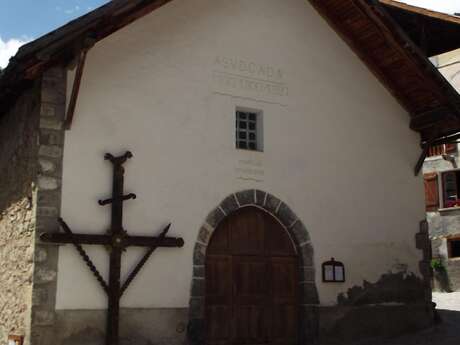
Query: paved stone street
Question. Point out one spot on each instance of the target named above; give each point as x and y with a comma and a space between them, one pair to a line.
446, 333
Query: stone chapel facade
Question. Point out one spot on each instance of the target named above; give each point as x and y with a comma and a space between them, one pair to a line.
259, 134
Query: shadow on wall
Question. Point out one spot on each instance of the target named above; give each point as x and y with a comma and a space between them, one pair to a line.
91, 336
18, 172
445, 332
441, 281
396, 304
390, 288
19, 150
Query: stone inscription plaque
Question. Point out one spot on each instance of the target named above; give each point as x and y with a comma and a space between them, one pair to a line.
250, 170
240, 77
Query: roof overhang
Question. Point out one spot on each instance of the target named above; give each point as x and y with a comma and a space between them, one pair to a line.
62, 45
433, 104
374, 35
433, 32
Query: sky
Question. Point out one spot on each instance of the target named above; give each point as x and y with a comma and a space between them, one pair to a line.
24, 20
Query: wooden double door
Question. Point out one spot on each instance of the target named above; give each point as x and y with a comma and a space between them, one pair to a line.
251, 282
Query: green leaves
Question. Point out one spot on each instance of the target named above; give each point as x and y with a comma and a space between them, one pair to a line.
438, 265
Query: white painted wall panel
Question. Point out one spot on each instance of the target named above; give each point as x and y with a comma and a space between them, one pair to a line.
337, 146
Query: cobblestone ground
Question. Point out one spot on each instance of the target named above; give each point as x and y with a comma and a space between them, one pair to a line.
445, 333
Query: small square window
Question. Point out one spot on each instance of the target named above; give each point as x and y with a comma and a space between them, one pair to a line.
248, 130
454, 247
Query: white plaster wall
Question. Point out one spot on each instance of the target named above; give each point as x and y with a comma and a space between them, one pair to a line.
338, 149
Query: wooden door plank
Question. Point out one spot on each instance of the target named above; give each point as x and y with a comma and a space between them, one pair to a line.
218, 299
252, 282
250, 299
285, 300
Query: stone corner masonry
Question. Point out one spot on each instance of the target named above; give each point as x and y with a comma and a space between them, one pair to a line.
48, 203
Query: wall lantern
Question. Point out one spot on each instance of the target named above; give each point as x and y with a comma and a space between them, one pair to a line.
333, 272
15, 340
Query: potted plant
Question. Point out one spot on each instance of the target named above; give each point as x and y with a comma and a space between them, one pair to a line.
440, 275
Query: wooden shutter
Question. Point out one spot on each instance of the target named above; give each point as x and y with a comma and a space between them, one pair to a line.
435, 151
451, 148
431, 192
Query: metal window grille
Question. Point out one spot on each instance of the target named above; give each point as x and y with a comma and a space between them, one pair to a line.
246, 130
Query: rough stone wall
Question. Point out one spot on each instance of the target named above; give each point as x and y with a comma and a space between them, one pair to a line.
453, 271
18, 171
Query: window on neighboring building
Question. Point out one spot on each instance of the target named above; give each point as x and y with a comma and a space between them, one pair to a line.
249, 130
442, 149
442, 190
450, 188
454, 247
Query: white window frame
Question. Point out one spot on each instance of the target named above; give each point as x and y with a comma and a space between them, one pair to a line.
258, 131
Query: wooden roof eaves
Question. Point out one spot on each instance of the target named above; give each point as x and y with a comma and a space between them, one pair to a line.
422, 11
66, 42
63, 44
436, 33
92, 21
393, 34
415, 54
341, 31
452, 105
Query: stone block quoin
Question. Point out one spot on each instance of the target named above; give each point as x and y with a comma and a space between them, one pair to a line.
423, 243
49, 183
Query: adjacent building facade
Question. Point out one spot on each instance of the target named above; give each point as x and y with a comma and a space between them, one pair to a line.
441, 173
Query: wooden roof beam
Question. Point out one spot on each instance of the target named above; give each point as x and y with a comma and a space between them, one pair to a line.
75, 89
431, 118
422, 11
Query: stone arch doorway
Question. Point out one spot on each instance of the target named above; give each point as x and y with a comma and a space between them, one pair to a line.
266, 208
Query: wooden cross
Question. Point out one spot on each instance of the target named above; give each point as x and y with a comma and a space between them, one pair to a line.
117, 240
